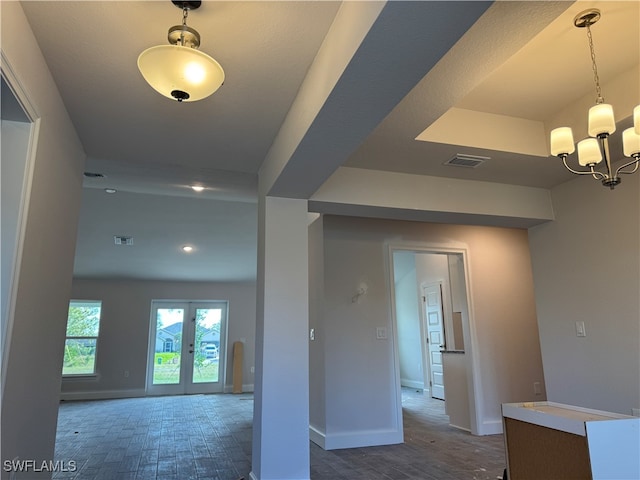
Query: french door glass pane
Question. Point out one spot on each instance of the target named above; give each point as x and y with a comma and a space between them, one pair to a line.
206, 355
168, 348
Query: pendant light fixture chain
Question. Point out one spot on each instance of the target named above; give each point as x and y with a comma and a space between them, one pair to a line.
594, 66
185, 13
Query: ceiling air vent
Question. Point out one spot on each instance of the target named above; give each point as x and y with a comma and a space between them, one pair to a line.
468, 161
93, 175
121, 240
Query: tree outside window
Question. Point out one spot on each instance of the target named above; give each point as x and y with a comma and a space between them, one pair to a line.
83, 326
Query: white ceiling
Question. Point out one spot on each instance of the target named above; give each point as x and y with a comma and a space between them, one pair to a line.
521, 59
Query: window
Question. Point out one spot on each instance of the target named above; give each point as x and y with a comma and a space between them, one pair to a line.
83, 325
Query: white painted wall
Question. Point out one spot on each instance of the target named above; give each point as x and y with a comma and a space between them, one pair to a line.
586, 267
361, 374
124, 330
360, 369
317, 390
15, 142
281, 401
32, 384
373, 193
408, 321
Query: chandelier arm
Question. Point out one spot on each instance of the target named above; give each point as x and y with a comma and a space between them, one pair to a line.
581, 172
628, 164
598, 175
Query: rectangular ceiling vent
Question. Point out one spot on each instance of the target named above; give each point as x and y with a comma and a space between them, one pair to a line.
121, 240
468, 161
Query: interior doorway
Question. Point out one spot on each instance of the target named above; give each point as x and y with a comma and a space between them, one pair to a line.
187, 345
433, 320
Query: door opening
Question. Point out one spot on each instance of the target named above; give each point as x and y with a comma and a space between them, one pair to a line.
432, 316
187, 345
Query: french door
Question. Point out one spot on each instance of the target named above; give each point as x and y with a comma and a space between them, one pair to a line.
187, 344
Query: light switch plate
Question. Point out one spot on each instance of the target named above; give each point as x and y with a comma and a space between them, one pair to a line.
580, 330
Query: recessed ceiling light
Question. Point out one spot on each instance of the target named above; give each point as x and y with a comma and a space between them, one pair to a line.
197, 188
110, 190
187, 249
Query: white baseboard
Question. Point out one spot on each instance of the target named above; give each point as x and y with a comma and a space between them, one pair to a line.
103, 394
466, 429
411, 383
317, 437
491, 427
358, 439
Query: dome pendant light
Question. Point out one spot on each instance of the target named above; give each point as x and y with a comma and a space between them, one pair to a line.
180, 71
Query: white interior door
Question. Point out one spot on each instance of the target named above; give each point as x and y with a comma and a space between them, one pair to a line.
434, 331
187, 347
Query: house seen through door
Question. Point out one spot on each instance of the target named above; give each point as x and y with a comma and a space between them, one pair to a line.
187, 346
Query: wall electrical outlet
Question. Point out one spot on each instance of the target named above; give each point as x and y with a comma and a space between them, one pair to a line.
381, 333
537, 388
126, 373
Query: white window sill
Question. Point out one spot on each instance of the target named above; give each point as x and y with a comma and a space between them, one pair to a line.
81, 377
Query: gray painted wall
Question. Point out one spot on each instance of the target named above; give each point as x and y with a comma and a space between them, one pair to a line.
586, 267
124, 330
32, 384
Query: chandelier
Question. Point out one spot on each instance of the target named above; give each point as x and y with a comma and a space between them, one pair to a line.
595, 148
180, 71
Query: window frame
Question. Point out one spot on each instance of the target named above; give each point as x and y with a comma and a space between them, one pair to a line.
91, 303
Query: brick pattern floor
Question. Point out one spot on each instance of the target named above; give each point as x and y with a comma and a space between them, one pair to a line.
208, 437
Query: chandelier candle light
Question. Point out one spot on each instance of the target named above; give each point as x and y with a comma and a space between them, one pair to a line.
595, 148
180, 71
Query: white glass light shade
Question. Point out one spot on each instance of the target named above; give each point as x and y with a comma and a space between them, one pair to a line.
562, 141
589, 152
601, 120
630, 142
636, 119
171, 68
